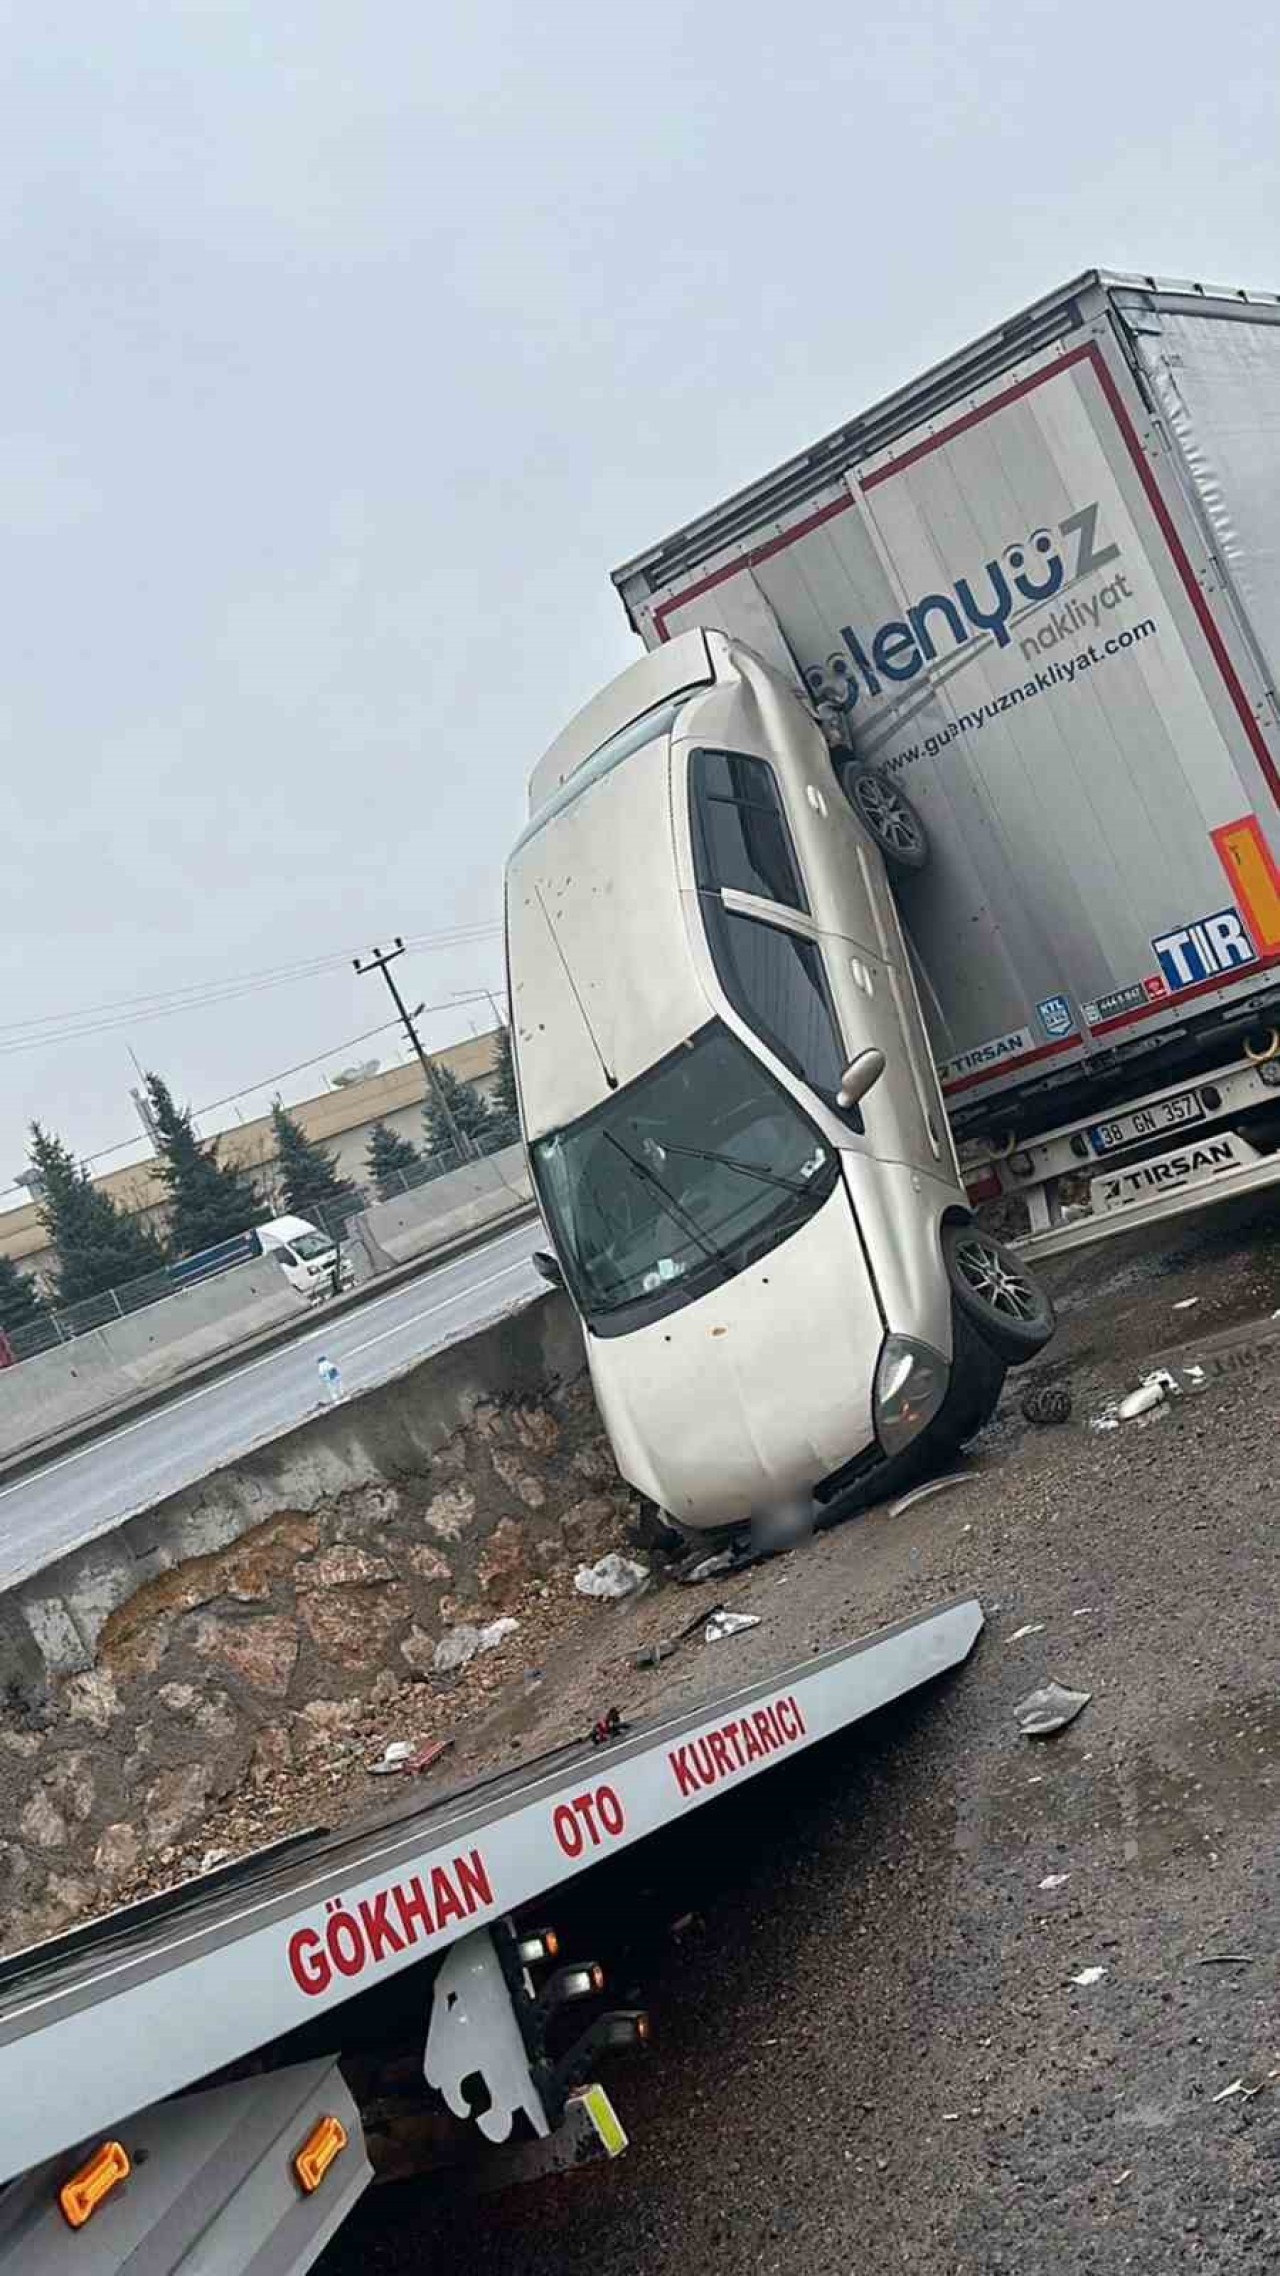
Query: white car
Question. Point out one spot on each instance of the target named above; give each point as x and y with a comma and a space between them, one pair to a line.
734, 1126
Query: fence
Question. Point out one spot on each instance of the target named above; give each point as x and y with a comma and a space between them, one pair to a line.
332, 1216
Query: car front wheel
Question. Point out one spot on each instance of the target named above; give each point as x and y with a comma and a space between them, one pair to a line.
997, 1292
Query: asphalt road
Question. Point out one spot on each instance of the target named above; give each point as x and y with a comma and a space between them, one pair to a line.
85, 1493
940, 1998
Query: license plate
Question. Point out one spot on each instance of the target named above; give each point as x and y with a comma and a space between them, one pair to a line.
1147, 1122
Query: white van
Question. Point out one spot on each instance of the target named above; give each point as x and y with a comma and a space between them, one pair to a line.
307, 1256
734, 1126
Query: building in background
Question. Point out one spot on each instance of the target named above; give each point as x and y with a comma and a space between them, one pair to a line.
340, 1119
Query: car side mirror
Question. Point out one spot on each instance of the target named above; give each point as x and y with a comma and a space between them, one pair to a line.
859, 1076
547, 1267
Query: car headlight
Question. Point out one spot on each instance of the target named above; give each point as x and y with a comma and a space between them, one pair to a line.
910, 1386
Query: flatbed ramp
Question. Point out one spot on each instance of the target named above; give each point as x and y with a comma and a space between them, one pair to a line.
149, 2001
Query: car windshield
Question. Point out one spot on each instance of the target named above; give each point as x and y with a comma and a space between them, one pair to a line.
310, 1245
679, 1181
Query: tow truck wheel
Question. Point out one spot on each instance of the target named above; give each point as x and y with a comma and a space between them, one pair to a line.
887, 813
997, 1292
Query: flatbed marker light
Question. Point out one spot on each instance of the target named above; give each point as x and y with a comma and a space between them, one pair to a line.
326, 2141
582, 1981
93, 2183
545, 1945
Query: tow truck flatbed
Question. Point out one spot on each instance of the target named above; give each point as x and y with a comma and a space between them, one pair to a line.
147, 2002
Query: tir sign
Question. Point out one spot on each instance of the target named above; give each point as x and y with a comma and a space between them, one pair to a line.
1204, 950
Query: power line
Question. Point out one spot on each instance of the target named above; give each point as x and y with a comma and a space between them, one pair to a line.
137, 1011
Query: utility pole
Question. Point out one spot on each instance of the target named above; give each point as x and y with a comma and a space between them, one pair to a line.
378, 961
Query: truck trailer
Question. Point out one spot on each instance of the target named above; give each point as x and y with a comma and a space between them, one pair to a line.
1034, 600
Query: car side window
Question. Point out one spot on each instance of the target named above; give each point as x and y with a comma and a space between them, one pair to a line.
776, 983
740, 833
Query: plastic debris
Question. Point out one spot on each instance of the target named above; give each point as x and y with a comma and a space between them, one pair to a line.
1055, 1880
330, 1376
722, 1624
1050, 1709
610, 1576
497, 1632
1185, 1303
1153, 1390
1141, 1401
1089, 1976
931, 1486
1224, 1960
456, 1648
1082, 1610
408, 1757
1032, 1628
1127, 2175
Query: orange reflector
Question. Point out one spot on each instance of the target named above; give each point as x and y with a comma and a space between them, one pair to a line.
1255, 877
550, 1943
103, 2172
326, 2141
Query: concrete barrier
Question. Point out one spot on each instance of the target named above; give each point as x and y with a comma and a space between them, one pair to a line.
43, 1395
464, 1201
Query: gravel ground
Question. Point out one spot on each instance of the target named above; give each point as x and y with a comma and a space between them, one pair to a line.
870, 2050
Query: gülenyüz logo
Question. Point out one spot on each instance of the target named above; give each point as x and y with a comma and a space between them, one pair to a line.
1031, 571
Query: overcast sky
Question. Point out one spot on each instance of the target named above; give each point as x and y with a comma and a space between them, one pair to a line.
347, 350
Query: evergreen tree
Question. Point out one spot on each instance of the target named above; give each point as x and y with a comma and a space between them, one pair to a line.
210, 1201
471, 1112
390, 1158
505, 1103
20, 1299
97, 1245
308, 1180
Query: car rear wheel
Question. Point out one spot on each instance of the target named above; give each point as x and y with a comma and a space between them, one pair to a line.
997, 1292
887, 813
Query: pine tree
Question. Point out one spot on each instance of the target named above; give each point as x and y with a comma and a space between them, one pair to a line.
20, 1299
97, 1245
505, 1103
308, 1180
471, 1112
390, 1159
210, 1201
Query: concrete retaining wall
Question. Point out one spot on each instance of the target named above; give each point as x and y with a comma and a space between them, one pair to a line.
58, 1387
205, 1644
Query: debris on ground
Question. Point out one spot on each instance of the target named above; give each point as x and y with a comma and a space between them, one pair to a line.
654, 1654
1047, 1403
496, 1632
611, 1575
1089, 1976
1153, 1390
459, 1645
1055, 1880
931, 1486
1030, 1628
1049, 1709
1238, 2088
722, 1624
710, 1568
1185, 1303
409, 1757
